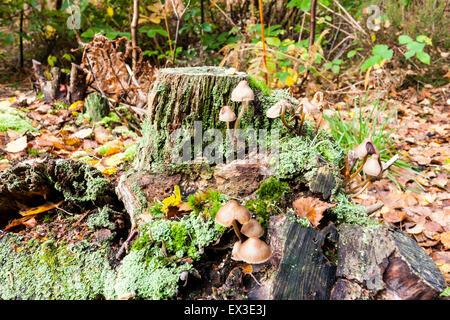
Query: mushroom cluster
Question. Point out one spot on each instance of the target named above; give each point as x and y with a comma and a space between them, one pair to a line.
305, 107
242, 93
372, 167
249, 247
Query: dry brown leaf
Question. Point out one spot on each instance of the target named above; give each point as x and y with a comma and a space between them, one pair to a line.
445, 240
43, 208
418, 229
311, 208
101, 134
393, 216
17, 145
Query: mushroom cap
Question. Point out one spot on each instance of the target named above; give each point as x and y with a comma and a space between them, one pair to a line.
364, 148
242, 92
226, 213
318, 99
309, 107
242, 214
226, 114
373, 166
252, 229
234, 253
254, 251
275, 110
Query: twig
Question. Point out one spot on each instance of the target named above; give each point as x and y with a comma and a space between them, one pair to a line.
390, 162
353, 21
261, 17
312, 35
371, 209
125, 244
134, 24
178, 27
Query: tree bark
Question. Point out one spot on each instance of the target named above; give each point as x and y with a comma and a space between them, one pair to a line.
298, 268
179, 97
383, 263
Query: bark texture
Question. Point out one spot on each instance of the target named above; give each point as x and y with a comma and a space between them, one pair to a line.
383, 263
299, 268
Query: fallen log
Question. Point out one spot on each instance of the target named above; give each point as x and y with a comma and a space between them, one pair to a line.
301, 267
383, 263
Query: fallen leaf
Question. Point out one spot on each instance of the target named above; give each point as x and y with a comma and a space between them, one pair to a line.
17, 145
83, 134
43, 208
416, 230
393, 216
311, 208
445, 240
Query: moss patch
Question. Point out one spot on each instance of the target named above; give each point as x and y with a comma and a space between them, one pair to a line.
14, 119
47, 270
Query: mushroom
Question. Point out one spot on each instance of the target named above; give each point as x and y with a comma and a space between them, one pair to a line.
372, 168
242, 93
253, 251
314, 107
361, 152
252, 229
234, 254
229, 213
227, 115
279, 110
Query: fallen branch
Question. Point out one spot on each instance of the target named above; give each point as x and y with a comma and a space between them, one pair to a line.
125, 244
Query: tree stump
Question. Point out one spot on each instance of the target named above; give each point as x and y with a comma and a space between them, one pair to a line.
96, 106
383, 263
181, 96
298, 268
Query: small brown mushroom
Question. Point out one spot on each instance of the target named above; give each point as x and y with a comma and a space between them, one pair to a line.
242, 93
227, 115
252, 229
254, 251
234, 253
231, 212
361, 152
373, 167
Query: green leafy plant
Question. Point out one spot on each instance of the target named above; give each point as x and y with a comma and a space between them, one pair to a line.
380, 54
415, 48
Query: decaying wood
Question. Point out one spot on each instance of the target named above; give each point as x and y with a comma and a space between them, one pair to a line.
78, 85
236, 179
298, 268
323, 183
49, 87
383, 263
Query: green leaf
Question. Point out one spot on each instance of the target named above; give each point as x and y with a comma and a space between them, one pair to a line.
305, 5
404, 39
423, 56
351, 53
373, 60
383, 51
415, 46
272, 41
335, 68
51, 60
409, 54
424, 39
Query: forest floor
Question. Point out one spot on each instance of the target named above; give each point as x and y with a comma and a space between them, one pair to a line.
419, 204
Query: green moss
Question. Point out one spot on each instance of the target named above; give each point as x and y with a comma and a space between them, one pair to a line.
347, 212
301, 154
259, 85
14, 119
47, 270
270, 198
101, 219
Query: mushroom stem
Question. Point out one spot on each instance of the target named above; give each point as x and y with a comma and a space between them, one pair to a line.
362, 184
318, 123
229, 132
367, 183
283, 112
236, 230
241, 113
359, 169
346, 171
301, 122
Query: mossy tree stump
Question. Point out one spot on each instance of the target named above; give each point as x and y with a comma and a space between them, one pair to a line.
181, 96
